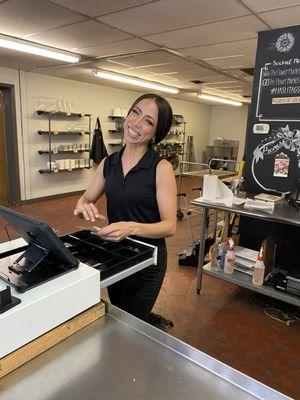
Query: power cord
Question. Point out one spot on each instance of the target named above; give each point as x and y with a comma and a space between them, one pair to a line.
287, 317
280, 316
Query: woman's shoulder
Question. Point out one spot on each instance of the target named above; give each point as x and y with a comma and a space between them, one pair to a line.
114, 157
164, 166
110, 162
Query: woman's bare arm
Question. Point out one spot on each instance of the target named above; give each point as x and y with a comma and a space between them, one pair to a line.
85, 207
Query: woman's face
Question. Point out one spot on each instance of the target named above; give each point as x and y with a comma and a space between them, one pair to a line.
140, 124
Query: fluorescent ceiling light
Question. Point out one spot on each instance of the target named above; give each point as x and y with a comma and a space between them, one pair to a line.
36, 49
133, 81
218, 99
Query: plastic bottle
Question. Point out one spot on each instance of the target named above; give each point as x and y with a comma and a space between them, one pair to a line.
259, 270
223, 248
229, 259
214, 255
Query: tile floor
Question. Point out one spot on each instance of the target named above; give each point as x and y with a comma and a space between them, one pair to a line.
224, 321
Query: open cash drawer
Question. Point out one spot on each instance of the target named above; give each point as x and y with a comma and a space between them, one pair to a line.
108, 257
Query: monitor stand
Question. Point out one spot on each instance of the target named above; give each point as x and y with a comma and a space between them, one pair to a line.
29, 260
26, 270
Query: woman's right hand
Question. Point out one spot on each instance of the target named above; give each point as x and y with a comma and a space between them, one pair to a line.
88, 211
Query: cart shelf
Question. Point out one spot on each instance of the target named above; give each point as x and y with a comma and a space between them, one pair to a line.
245, 280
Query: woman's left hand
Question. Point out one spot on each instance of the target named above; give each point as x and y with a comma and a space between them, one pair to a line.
116, 231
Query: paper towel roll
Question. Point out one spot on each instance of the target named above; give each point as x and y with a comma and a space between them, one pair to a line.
210, 187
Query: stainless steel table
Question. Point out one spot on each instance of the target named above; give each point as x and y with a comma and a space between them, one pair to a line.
283, 213
121, 357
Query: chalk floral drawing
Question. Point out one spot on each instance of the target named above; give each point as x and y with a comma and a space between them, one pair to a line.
280, 138
285, 42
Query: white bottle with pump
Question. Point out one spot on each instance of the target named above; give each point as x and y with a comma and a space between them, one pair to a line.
259, 270
229, 259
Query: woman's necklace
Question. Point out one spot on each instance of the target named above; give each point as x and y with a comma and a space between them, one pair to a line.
130, 161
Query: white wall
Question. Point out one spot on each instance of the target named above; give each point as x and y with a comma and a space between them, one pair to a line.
86, 98
231, 123
198, 117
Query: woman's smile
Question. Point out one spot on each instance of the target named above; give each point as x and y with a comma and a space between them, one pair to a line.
133, 133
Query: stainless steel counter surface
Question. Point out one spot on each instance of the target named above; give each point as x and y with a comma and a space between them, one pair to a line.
283, 212
119, 358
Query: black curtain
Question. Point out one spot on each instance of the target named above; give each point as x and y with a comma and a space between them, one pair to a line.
98, 150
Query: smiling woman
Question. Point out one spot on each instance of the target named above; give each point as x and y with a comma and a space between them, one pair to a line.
141, 199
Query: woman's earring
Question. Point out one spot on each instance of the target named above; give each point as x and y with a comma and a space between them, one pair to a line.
153, 140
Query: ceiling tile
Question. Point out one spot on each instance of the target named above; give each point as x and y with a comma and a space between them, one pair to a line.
153, 58
165, 81
104, 64
259, 5
67, 71
225, 85
222, 50
195, 72
205, 76
24, 17
82, 34
175, 67
217, 78
283, 17
168, 15
224, 93
140, 73
230, 62
116, 48
156, 64
121, 69
244, 75
93, 8
237, 91
218, 32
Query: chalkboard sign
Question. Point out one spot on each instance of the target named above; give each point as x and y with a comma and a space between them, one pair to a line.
272, 151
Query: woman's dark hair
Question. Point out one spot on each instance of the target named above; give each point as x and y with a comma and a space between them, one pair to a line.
165, 114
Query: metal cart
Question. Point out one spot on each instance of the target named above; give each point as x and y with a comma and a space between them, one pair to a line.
195, 169
283, 213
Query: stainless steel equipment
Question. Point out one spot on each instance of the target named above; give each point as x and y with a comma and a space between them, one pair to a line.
121, 357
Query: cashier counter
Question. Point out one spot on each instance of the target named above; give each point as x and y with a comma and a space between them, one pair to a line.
38, 306
117, 356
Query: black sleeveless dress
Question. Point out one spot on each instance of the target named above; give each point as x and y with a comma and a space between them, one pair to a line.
133, 198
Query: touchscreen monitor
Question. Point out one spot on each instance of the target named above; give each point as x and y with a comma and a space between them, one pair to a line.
45, 258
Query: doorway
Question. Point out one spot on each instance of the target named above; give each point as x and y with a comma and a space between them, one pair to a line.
9, 161
3, 161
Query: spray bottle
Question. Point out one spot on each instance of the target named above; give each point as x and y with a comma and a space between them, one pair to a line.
229, 258
259, 270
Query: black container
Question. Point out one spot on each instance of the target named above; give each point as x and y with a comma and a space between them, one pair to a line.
108, 257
